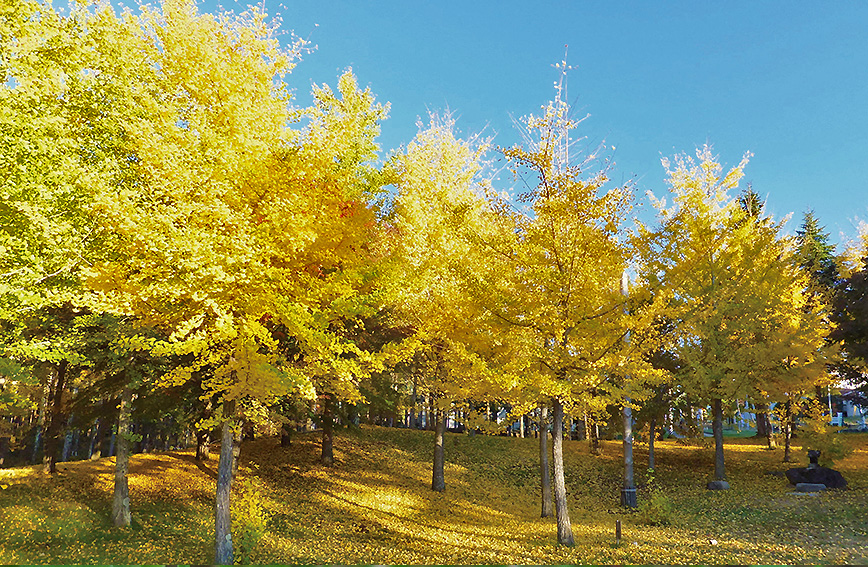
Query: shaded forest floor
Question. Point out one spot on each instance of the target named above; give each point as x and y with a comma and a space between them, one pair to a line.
375, 506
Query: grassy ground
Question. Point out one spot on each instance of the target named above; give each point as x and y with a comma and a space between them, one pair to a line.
374, 506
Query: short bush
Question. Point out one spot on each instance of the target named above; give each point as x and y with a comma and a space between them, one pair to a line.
656, 509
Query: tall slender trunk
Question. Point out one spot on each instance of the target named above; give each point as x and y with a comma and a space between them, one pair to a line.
413, 424
717, 426
222, 512
652, 427
328, 432
438, 479
40, 421
102, 429
761, 419
593, 433
787, 426
121, 498
544, 469
521, 430
628, 492
91, 443
565, 529
286, 435
770, 432
52, 439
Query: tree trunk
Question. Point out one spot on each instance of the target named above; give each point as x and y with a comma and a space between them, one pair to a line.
544, 469
286, 435
413, 424
68, 441
770, 431
521, 430
762, 423
652, 432
101, 431
94, 435
787, 426
38, 440
438, 480
121, 497
432, 415
628, 493
328, 432
565, 529
717, 426
593, 433
52, 439
223, 517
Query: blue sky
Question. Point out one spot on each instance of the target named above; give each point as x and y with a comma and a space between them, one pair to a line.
787, 81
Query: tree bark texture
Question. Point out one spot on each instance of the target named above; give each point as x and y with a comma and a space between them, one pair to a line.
328, 432
544, 470
717, 426
121, 498
222, 512
565, 529
438, 480
52, 438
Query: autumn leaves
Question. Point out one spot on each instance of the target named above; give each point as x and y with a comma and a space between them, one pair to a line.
267, 251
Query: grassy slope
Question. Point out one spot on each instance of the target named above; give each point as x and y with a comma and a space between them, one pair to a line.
375, 506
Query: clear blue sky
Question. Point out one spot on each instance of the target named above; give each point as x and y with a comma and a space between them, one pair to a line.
787, 81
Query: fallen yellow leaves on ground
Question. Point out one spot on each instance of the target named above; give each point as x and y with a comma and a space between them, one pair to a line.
375, 506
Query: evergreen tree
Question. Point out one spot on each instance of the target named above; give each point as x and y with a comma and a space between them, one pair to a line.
815, 254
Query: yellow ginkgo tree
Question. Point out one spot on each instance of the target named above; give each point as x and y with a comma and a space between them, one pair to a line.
733, 290
244, 212
555, 272
439, 212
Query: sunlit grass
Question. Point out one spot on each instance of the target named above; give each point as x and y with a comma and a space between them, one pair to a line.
375, 506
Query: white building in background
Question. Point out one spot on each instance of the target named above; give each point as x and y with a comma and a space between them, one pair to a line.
853, 405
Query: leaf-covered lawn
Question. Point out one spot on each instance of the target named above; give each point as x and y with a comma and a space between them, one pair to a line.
375, 506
